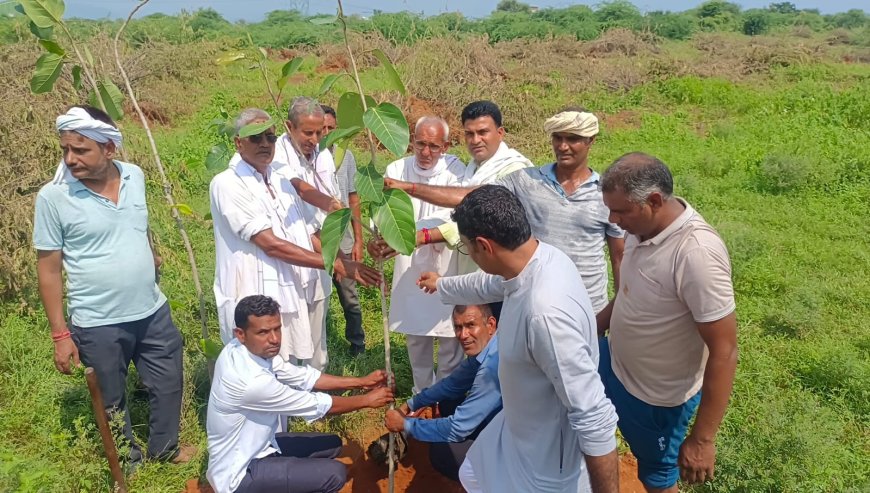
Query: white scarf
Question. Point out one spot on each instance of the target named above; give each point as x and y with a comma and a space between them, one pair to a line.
487, 171
275, 277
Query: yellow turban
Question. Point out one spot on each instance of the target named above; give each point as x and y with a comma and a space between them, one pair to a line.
573, 122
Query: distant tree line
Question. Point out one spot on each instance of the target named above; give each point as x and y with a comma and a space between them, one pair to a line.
512, 19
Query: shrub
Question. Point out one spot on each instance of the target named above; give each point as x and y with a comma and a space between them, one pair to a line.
780, 173
671, 26
756, 22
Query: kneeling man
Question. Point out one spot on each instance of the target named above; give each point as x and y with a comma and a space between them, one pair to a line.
252, 387
468, 398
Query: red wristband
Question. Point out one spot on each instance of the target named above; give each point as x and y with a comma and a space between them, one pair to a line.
427, 238
59, 337
413, 189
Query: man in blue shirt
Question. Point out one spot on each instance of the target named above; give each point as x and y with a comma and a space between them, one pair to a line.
468, 398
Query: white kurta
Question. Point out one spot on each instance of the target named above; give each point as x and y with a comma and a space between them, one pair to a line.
554, 407
411, 310
241, 207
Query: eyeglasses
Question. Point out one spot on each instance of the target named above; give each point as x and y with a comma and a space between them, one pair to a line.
433, 148
256, 139
462, 248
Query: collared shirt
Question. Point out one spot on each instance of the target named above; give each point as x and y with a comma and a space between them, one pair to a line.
669, 284
106, 254
555, 410
475, 380
247, 396
577, 223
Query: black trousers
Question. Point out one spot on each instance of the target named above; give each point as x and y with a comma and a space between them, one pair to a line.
154, 345
349, 299
447, 457
305, 465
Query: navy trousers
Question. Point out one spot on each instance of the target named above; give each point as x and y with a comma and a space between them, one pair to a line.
305, 465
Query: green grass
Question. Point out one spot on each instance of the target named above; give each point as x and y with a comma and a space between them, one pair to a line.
778, 163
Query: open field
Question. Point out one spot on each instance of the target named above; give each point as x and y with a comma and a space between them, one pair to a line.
767, 136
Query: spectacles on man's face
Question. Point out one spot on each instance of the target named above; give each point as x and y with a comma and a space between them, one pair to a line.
433, 148
462, 248
270, 137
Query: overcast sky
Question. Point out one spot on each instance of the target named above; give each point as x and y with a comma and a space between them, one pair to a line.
255, 10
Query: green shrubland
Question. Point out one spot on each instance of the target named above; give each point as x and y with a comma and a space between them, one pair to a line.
767, 137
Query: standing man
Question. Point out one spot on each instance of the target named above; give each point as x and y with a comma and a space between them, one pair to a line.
298, 155
92, 222
468, 398
673, 329
556, 432
351, 244
423, 319
491, 159
252, 388
262, 241
562, 200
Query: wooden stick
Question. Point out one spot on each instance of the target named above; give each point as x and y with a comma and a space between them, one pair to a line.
105, 432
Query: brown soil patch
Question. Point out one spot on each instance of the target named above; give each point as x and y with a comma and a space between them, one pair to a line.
416, 107
334, 62
623, 120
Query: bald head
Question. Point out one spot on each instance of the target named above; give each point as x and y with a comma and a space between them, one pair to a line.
638, 175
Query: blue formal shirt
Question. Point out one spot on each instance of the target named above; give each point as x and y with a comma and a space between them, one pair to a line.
478, 378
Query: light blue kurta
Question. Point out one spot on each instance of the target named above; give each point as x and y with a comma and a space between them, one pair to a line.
555, 410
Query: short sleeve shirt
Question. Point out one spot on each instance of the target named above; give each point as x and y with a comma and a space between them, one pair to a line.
106, 253
669, 284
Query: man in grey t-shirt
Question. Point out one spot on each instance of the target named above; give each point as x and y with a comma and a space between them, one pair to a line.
351, 244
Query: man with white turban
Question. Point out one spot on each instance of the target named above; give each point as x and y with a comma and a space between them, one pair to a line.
92, 222
562, 200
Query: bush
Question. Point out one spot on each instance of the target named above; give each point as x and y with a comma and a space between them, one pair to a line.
780, 173
756, 22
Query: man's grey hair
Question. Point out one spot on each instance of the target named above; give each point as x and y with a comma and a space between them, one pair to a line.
248, 115
433, 120
638, 175
303, 106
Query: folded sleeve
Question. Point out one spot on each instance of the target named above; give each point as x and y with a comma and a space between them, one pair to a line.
566, 357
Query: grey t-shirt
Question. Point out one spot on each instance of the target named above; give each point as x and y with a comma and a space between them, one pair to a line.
576, 224
346, 174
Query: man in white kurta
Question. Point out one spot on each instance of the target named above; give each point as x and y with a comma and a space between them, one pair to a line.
556, 432
262, 243
297, 155
422, 318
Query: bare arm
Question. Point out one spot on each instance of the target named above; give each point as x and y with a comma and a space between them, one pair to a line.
376, 398
615, 247
332, 382
49, 273
603, 472
315, 197
441, 196
698, 452
602, 318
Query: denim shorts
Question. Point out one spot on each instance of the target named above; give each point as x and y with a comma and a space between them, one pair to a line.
654, 433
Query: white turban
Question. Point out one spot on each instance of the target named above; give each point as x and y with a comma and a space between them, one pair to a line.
573, 122
78, 120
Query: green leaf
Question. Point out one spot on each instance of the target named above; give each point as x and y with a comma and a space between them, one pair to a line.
41, 32
350, 110
210, 348
331, 234
230, 58
43, 13
328, 83
48, 68
256, 128
369, 184
111, 97
393, 76
184, 209
264, 53
324, 20
388, 124
339, 134
338, 153
218, 157
288, 70
395, 221
77, 77
52, 47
